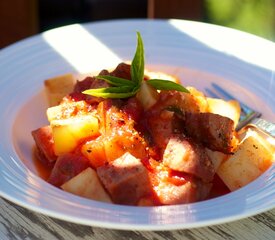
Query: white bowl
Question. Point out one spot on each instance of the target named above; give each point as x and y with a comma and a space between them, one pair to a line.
198, 53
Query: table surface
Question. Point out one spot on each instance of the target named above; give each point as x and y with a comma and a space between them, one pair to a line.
17, 222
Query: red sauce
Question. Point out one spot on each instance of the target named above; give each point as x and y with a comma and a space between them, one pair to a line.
42, 170
218, 188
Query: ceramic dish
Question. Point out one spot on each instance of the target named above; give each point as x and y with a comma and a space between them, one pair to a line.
197, 53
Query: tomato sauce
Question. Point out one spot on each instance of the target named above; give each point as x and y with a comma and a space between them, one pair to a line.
218, 188
42, 169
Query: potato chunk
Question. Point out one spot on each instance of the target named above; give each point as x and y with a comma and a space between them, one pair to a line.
58, 87
67, 110
148, 96
230, 109
67, 133
216, 157
86, 184
253, 156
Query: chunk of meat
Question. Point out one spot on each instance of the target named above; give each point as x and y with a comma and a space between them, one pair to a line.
212, 130
161, 127
176, 101
44, 141
123, 70
174, 187
162, 120
66, 167
89, 83
184, 155
133, 109
191, 191
126, 179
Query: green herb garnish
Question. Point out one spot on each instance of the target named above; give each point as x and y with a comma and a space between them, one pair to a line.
137, 65
166, 85
124, 88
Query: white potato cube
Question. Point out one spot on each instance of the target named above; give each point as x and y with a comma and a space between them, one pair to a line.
86, 184
58, 87
230, 109
147, 95
216, 157
253, 156
66, 110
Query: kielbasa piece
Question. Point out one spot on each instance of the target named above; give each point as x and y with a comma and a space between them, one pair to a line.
123, 70
212, 130
66, 167
184, 155
44, 141
126, 179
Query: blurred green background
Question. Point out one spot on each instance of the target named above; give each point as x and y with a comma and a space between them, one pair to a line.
254, 16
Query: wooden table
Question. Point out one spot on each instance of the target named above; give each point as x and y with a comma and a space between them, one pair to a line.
19, 223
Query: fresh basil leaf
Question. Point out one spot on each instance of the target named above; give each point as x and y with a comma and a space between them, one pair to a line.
137, 65
166, 85
111, 92
121, 89
116, 81
113, 95
124, 88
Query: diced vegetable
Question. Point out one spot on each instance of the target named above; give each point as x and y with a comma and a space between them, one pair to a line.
58, 87
107, 149
95, 151
253, 156
147, 95
67, 109
68, 133
216, 157
86, 184
123, 142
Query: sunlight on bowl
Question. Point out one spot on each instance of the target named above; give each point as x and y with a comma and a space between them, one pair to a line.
80, 48
224, 41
